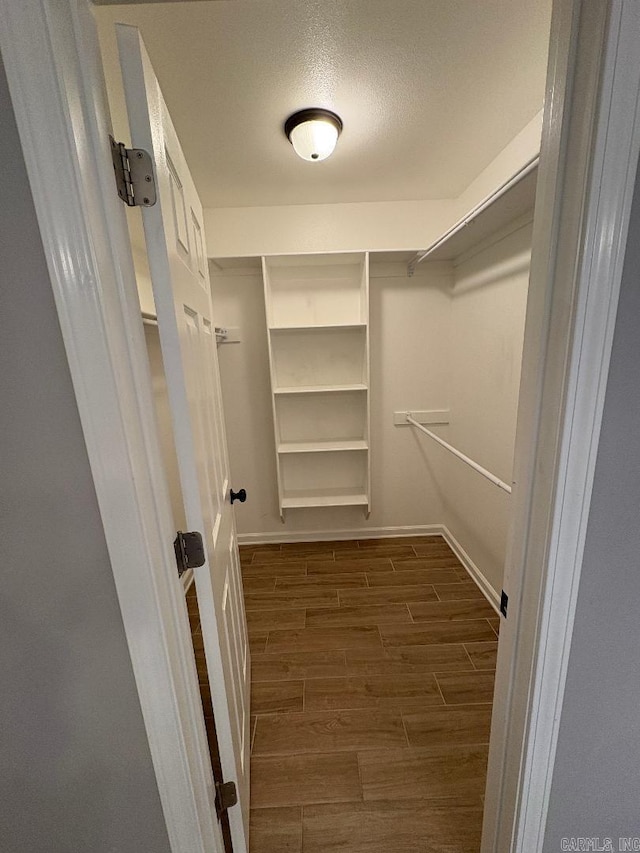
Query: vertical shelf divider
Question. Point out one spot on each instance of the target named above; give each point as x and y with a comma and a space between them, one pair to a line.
268, 312
365, 314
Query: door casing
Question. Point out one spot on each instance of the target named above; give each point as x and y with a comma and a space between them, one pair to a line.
588, 163
61, 110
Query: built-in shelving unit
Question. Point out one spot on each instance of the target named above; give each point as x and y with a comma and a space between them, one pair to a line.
318, 327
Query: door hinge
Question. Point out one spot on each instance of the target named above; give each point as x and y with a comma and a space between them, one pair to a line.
189, 549
226, 796
504, 603
133, 169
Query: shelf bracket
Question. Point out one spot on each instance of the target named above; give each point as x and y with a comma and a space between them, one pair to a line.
227, 335
432, 416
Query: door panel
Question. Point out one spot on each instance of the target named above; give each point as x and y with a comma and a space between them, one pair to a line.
176, 250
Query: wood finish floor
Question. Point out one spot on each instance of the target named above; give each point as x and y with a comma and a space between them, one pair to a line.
372, 681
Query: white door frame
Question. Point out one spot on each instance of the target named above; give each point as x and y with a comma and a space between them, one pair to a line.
586, 176
588, 162
54, 70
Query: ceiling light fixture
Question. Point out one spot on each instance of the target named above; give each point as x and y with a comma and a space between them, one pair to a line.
313, 133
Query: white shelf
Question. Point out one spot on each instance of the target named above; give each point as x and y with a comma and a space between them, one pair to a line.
316, 289
319, 356
325, 497
317, 327
303, 418
319, 389
321, 446
518, 200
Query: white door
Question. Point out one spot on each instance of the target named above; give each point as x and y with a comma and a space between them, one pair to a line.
176, 249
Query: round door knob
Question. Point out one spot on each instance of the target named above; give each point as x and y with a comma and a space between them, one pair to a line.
238, 496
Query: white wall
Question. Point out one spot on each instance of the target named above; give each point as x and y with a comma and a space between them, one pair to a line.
76, 771
409, 334
368, 226
594, 791
293, 229
485, 354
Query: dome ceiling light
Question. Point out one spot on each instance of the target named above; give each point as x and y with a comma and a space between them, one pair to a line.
313, 133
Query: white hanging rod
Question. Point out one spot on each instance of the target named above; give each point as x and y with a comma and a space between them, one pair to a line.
528, 167
489, 476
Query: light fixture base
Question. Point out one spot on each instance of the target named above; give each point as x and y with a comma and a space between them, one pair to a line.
313, 132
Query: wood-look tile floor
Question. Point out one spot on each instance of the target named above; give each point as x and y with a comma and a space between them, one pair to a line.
372, 681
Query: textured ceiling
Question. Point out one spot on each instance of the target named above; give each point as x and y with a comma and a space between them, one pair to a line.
429, 90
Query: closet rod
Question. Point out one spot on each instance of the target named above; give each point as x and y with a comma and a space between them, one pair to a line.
528, 167
489, 476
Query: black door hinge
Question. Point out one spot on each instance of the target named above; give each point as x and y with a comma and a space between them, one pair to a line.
226, 796
504, 603
189, 549
133, 169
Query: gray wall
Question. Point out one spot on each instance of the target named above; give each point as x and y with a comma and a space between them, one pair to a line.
596, 782
75, 767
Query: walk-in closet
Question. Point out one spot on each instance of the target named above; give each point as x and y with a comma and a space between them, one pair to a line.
334, 377
373, 593
368, 314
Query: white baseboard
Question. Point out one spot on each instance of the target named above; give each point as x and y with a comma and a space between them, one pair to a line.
324, 535
281, 538
492, 595
278, 538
